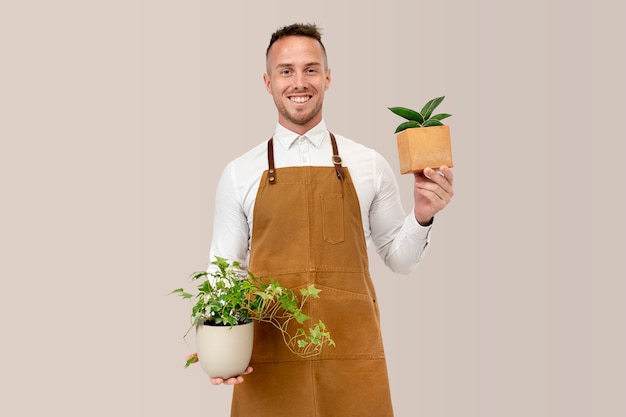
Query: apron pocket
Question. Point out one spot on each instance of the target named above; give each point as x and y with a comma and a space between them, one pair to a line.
353, 321
332, 218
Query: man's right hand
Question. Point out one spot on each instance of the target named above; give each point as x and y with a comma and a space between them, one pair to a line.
231, 381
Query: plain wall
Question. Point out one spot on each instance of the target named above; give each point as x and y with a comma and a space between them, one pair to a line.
117, 117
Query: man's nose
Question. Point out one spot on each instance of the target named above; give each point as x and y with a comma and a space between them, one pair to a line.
299, 80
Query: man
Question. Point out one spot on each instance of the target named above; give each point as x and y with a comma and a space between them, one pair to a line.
302, 207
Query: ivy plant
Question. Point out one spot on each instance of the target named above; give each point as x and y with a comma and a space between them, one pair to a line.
423, 118
226, 298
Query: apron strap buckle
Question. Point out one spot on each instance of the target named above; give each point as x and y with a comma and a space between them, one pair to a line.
338, 166
270, 160
336, 157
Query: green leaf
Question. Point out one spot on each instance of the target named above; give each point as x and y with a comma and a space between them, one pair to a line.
440, 116
204, 287
198, 274
406, 125
432, 122
263, 295
428, 108
316, 334
312, 291
289, 303
408, 114
181, 293
300, 316
192, 359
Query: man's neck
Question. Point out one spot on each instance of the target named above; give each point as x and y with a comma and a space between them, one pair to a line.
299, 130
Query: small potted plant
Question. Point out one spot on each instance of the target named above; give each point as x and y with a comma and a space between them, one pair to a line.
423, 140
225, 306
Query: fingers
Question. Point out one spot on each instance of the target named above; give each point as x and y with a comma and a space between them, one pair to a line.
231, 381
438, 182
447, 173
433, 191
442, 177
228, 381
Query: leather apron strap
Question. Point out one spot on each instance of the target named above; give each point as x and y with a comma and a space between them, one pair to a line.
272, 169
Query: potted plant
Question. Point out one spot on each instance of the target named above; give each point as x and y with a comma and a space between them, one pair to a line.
423, 140
225, 306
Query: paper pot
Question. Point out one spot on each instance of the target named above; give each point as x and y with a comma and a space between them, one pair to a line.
224, 351
424, 147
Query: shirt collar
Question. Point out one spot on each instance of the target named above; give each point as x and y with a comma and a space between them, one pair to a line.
286, 137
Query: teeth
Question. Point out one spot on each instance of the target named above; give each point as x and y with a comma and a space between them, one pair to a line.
300, 99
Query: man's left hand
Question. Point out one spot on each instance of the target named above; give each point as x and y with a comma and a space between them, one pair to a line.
433, 191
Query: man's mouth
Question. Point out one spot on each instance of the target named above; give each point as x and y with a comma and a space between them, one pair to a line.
300, 99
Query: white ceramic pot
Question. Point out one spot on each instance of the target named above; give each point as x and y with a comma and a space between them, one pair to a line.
224, 351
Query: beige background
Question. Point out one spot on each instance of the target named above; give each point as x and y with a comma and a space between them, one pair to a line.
117, 117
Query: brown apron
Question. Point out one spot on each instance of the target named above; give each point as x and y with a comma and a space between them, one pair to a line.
308, 230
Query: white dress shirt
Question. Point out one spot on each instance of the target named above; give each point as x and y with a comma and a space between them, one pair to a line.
398, 238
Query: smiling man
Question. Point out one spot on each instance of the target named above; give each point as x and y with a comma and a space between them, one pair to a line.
297, 78
303, 207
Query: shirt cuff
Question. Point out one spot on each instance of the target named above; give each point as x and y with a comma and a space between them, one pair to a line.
416, 230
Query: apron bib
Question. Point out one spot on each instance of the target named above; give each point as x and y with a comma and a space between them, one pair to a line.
308, 230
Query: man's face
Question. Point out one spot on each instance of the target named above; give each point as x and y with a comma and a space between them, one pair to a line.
297, 78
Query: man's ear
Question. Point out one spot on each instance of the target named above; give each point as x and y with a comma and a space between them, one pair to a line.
327, 79
267, 82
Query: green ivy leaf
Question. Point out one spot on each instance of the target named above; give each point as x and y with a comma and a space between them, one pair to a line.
311, 290
181, 292
316, 334
300, 316
289, 303
263, 295
192, 359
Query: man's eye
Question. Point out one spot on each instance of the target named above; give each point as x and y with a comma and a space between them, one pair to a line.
285, 72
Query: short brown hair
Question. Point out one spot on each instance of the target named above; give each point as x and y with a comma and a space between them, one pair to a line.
297, 29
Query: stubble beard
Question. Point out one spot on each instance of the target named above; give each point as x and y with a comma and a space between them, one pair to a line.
299, 118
